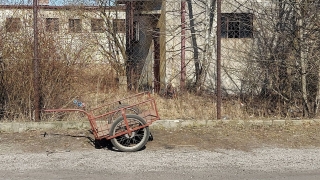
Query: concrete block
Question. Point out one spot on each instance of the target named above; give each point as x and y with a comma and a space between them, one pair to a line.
278, 122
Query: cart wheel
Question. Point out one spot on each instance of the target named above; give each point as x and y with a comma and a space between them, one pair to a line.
138, 138
130, 110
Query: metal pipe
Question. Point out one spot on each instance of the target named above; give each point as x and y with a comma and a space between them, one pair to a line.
218, 83
183, 46
129, 44
35, 62
156, 67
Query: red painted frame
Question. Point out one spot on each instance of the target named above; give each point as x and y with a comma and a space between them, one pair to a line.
150, 115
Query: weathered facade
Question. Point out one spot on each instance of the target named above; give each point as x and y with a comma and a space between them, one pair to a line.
145, 44
77, 33
126, 37
201, 42
151, 39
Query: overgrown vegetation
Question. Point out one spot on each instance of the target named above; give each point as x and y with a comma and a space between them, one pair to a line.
274, 68
273, 75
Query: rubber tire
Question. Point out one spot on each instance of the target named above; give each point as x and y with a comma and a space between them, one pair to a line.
136, 147
131, 110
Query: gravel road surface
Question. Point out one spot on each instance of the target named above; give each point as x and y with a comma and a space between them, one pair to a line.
180, 163
206, 153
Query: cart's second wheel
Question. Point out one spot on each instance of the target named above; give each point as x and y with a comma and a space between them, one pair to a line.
136, 140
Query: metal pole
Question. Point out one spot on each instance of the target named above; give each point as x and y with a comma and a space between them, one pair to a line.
35, 62
129, 42
218, 59
183, 46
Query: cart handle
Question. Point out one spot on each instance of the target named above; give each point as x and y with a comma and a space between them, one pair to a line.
67, 110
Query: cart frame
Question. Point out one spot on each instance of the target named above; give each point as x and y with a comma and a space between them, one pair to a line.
101, 130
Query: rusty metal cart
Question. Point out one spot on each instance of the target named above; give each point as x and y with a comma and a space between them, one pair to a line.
125, 122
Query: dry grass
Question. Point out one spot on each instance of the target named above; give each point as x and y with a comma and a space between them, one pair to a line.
95, 85
187, 106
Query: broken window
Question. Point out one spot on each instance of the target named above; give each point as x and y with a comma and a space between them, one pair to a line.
119, 25
52, 24
13, 24
236, 25
75, 25
97, 25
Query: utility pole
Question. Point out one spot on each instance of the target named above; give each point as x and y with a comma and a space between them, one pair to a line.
35, 63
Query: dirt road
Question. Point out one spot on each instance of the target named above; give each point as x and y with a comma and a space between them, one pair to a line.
176, 164
222, 152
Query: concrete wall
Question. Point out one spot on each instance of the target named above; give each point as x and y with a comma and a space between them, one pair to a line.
235, 51
84, 46
166, 16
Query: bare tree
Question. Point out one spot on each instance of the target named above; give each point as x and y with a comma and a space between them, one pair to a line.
286, 53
